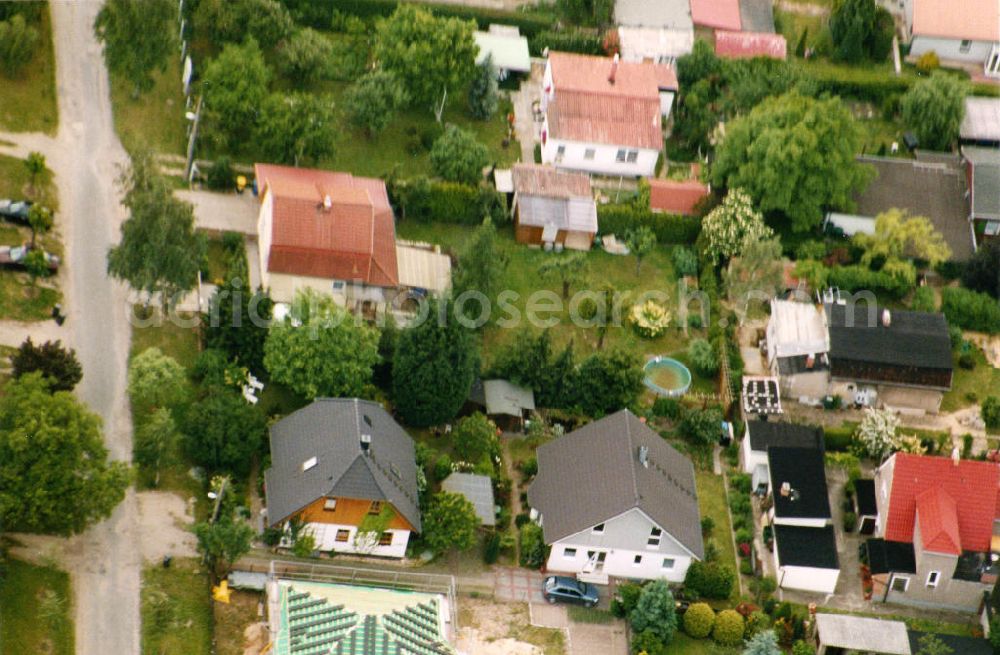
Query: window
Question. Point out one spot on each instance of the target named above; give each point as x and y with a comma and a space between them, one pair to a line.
589, 153
633, 156
620, 156
992, 228
932, 578
966, 44
569, 553
598, 529
560, 151
343, 536
338, 285
385, 539
376, 508
309, 463
900, 584
668, 563
330, 504
654, 537
637, 560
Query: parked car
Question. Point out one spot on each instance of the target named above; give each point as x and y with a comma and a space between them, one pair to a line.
560, 588
15, 256
16, 211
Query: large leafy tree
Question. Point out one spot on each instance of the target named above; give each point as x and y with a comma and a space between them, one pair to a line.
159, 252
296, 127
568, 268
435, 364
138, 36
731, 226
860, 30
756, 275
155, 379
372, 102
55, 477
155, 442
321, 350
608, 381
483, 91
655, 611
57, 364
306, 56
482, 263
794, 155
933, 109
235, 86
222, 543
876, 433
457, 156
222, 432
475, 437
432, 56
237, 323
982, 273
266, 21
450, 523
899, 236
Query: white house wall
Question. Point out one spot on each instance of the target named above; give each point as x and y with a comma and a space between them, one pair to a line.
326, 540
950, 49
806, 578
619, 563
264, 220
604, 161
751, 458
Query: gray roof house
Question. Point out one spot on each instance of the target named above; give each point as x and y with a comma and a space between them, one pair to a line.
340, 450
614, 499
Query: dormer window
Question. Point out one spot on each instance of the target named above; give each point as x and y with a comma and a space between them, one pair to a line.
376, 508
330, 504
654, 537
598, 529
309, 463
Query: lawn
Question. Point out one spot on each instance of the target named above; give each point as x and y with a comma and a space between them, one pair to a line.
712, 502
231, 620
15, 183
970, 386
682, 644
792, 24
35, 604
19, 302
181, 343
155, 119
522, 278
176, 610
218, 259
29, 100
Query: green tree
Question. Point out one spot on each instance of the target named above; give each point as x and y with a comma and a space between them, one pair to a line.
900, 236
432, 56
860, 31
794, 155
373, 101
990, 412
159, 252
329, 354
698, 623
55, 477
233, 21
700, 64
701, 426
757, 274
222, 543
931, 644
570, 268
483, 91
59, 366
731, 226
40, 221
763, 643
587, 12
139, 37
436, 362
696, 117
482, 263
933, 109
296, 127
237, 323
37, 266
457, 156
306, 56
608, 381
647, 642
982, 272
155, 442
222, 432
450, 523
640, 241
728, 629
155, 380
235, 86
18, 41
704, 360
34, 163
475, 437
876, 433
655, 611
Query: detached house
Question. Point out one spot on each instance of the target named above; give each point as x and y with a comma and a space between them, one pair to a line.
616, 500
935, 543
603, 115
553, 207
335, 233
339, 466
761, 436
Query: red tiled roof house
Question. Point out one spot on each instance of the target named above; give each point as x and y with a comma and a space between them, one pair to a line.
603, 115
934, 542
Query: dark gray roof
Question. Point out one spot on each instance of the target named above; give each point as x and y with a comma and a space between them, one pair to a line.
330, 430
812, 547
804, 471
915, 339
593, 474
890, 556
935, 189
767, 434
757, 16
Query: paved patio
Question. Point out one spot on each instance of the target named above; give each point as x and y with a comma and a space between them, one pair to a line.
519, 585
223, 212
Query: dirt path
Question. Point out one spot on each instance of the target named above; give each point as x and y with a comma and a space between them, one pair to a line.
515, 493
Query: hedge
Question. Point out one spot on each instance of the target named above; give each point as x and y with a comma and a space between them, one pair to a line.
579, 41
669, 228
838, 439
424, 200
971, 310
319, 14
861, 278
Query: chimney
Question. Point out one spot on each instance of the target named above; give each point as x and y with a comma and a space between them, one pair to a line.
956, 456
366, 443
614, 69
644, 456
886, 318
786, 489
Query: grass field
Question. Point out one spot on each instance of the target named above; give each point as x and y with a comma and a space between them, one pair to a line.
36, 606
155, 119
712, 502
176, 610
232, 619
979, 382
15, 183
29, 100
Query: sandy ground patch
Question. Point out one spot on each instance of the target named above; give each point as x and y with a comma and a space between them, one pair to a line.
164, 523
487, 628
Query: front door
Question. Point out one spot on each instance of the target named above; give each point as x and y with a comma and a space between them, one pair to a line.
595, 560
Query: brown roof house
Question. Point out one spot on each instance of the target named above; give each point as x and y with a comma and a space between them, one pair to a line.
603, 115
335, 233
616, 500
346, 471
553, 207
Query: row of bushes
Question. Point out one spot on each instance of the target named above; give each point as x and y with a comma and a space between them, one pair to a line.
319, 14
578, 41
425, 200
971, 310
668, 228
861, 278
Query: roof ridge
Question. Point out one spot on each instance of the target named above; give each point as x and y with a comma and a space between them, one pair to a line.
631, 456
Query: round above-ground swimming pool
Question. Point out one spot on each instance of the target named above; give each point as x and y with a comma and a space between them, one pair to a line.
667, 376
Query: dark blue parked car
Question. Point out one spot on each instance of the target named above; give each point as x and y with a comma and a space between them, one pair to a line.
559, 588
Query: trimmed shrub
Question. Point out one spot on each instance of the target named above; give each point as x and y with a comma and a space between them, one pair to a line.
860, 278
647, 642
424, 201
532, 546
728, 630
667, 408
699, 620
923, 300
626, 599
685, 261
668, 228
837, 439
710, 580
991, 412
579, 41
704, 359
971, 310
